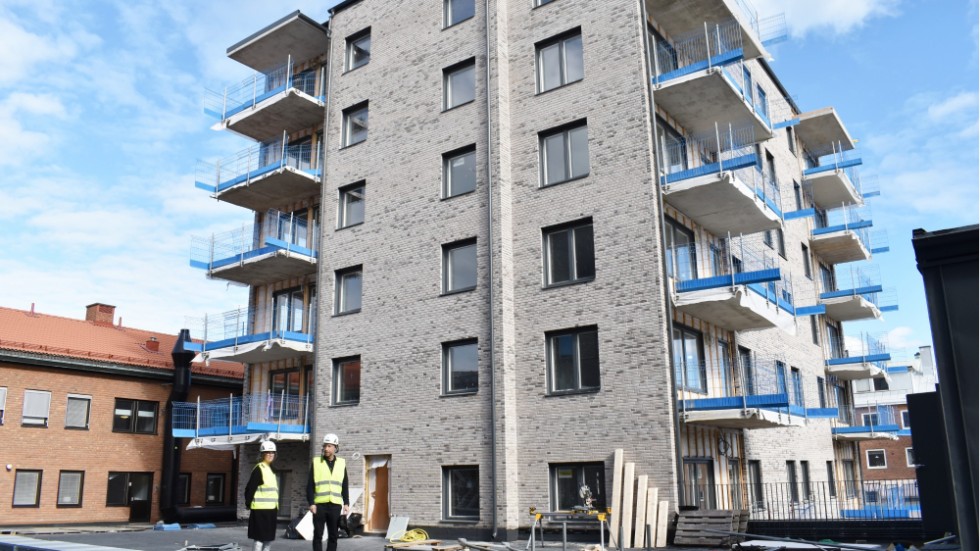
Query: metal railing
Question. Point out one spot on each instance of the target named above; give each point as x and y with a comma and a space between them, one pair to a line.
725, 258
243, 414
839, 158
741, 377
853, 218
746, 83
256, 88
286, 319
258, 160
234, 246
844, 499
714, 44
864, 345
725, 149
875, 417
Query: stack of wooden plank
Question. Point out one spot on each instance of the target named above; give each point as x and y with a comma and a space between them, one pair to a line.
700, 527
636, 508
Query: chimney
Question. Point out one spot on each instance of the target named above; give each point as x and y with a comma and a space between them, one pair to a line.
152, 344
100, 313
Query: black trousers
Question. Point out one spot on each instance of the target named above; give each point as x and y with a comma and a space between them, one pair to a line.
329, 514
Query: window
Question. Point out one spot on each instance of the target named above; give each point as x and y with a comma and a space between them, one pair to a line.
355, 124
826, 279
77, 412
797, 379
767, 238
910, 457
569, 478
348, 288
70, 488
780, 242
573, 360
821, 392
798, 195
347, 381
869, 419
681, 254
182, 493
748, 372
792, 482
807, 267
876, 459
289, 310
459, 84
756, 491
457, 11
781, 379
351, 205
675, 149
3, 402
215, 489
283, 401
880, 384
790, 139
135, 416
359, 49
689, 366
699, 482
569, 253
459, 172
460, 361
37, 405
461, 493
124, 489
905, 419
459, 266
850, 477
27, 488
560, 61
805, 479
762, 107
831, 480
814, 331
564, 154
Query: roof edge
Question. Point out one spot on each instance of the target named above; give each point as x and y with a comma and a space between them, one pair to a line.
294, 15
342, 6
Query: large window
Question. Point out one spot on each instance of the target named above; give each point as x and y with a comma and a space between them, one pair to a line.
355, 124
674, 147
569, 252
347, 381
77, 411
37, 406
573, 360
27, 488
70, 488
681, 254
564, 154
796, 378
459, 84
459, 171
289, 310
567, 479
125, 488
284, 399
349, 282
560, 61
456, 11
459, 266
351, 205
137, 416
756, 490
699, 482
689, 367
876, 459
358, 49
461, 493
460, 361
214, 491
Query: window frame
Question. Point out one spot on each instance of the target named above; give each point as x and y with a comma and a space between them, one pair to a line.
910, 457
539, 3
350, 43
673, 229
344, 202
185, 497
349, 115
37, 488
573, 240
134, 415
448, 264
342, 293
551, 354
447, 171
906, 421
807, 264
35, 420
449, 74
884, 458
561, 41
447, 367
447, 14
338, 381
448, 493
581, 472
566, 132
3, 403
88, 411
207, 487
679, 335
81, 489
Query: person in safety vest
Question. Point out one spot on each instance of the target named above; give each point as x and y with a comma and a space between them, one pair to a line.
262, 498
327, 493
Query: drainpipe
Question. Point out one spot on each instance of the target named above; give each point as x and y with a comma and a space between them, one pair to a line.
171, 450
490, 294
668, 304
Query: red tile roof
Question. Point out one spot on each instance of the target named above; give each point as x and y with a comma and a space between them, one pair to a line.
57, 336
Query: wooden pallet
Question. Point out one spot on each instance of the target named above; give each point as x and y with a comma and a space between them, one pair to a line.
691, 526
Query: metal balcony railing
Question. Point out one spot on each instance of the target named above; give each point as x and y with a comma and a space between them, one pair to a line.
711, 46
856, 219
279, 231
877, 418
751, 380
260, 412
728, 148
738, 73
864, 348
257, 88
256, 161
288, 319
838, 160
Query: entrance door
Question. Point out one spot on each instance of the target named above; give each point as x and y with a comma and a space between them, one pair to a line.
376, 513
140, 496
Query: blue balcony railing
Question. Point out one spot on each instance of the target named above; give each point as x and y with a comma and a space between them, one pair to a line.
847, 218
255, 162
258, 88
867, 421
866, 349
838, 160
279, 231
703, 48
288, 319
252, 413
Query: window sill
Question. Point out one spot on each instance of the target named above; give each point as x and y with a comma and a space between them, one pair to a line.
457, 291
345, 404
567, 283
553, 184
559, 87
461, 21
347, 313
352, 69
459, 521
455, 107
350, 145
69, 506
460, 393
557, 393
348, 226
461, 194
33, 426
76, 428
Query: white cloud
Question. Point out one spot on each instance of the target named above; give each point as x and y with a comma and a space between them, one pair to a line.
839, 17
954, 105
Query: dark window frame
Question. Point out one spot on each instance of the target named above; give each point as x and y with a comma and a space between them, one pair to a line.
207, 486
342, 293
183, 498
348, 138
448, 18
350, 43
448, 284
88, 411
552, 356
577, 248
81, 489
560, 40
346, 193
338, 386
37, 488
567, 132
681, 372
448, 372
133, 425
581, 471
447, 172
448, 74
449, 492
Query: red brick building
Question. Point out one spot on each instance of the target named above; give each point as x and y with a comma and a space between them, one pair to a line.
82, 415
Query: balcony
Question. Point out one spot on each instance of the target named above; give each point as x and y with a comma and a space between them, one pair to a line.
259, 335
222, 423
867, 362
268, 103
264, 176
855, 293
842, 235
822, 132
746, 289
834, 182
296, 34
280, 248
866, 423
678, 18
753, 393
725, 193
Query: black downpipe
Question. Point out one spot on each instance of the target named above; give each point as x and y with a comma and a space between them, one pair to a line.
171, 450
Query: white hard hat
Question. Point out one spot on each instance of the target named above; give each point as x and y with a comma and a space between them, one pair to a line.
267, 446
331, 438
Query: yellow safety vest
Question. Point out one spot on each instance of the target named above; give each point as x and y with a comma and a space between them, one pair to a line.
267, 494
327, 484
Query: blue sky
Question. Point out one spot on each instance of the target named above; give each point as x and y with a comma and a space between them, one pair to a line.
101, 126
